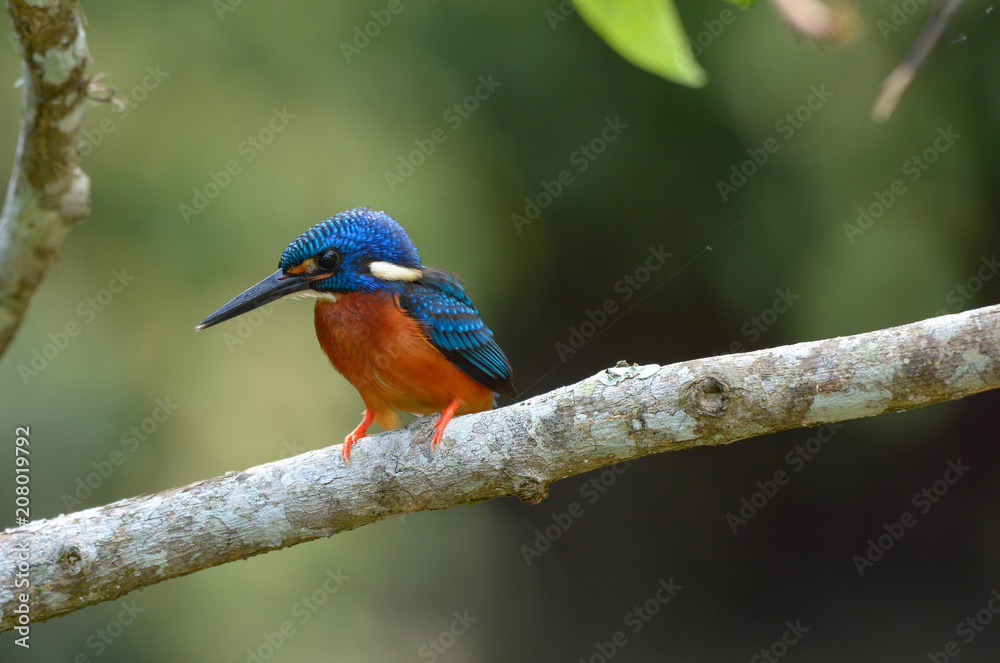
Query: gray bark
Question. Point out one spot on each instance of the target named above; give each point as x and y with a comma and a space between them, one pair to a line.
619, 414
48, 193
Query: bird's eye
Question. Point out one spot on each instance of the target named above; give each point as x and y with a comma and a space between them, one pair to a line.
329, 259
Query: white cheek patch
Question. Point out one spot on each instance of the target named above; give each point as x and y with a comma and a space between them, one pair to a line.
388, 271
312, 294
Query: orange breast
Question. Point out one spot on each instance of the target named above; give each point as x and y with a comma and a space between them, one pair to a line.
385, 354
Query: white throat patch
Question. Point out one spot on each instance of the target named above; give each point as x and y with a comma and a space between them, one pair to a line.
388, 271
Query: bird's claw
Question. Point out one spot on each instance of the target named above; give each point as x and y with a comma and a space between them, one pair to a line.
345, 451
436, 438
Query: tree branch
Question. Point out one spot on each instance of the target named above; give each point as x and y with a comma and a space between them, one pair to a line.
48, 193
620, 414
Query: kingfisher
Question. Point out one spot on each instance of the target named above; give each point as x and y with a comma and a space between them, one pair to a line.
407, 337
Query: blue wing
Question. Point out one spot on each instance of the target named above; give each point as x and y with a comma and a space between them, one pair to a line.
438, 301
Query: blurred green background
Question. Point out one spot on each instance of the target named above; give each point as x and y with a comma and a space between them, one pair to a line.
203, 79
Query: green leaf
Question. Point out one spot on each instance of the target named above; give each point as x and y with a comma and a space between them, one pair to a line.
647, 33
744, 4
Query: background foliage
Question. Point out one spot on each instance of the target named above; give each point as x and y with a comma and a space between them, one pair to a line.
223, 69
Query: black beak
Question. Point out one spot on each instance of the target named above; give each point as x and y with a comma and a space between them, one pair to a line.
272, 288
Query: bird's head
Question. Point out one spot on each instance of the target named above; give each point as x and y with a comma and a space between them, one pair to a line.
356, 250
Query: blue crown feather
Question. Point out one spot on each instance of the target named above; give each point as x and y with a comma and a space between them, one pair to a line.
358, 232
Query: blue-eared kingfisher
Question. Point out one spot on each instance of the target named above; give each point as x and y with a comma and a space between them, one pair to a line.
406, 336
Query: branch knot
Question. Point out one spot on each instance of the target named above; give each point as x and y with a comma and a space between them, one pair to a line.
708, 396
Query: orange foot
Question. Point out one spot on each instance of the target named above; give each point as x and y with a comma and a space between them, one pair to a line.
356, 434
446, 416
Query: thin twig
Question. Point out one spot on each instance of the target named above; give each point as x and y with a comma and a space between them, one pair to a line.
899, 79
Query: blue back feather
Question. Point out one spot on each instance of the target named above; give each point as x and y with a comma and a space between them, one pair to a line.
453, 325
